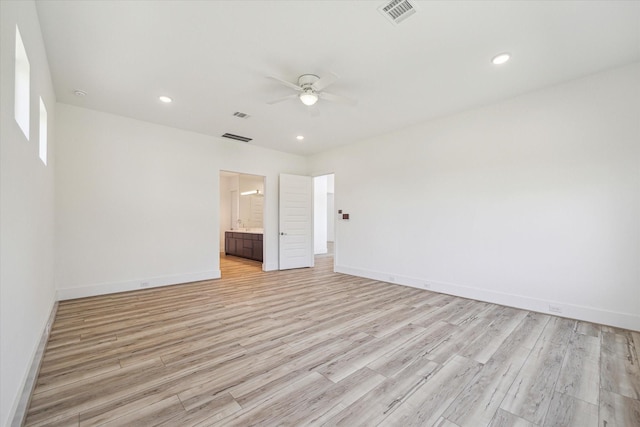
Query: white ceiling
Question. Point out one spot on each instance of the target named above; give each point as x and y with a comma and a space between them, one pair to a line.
213, 57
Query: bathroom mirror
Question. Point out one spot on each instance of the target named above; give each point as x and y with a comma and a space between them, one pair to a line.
242, 202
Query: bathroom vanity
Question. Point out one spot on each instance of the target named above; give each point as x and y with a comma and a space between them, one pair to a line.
245, 244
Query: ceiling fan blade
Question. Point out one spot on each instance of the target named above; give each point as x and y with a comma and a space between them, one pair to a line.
285, 83
337, 98
324, 82
284, 98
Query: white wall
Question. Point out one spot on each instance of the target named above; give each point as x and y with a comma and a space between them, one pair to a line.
320, 220
529, 202
138, 202
331, 212
27, 293
227, 183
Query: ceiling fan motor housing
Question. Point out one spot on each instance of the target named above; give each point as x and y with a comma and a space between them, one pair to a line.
307, 80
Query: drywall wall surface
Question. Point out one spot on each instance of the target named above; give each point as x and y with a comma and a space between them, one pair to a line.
226, 202
320, 221
137, 204
531, 202
27, 292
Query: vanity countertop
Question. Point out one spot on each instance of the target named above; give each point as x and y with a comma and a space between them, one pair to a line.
247, 230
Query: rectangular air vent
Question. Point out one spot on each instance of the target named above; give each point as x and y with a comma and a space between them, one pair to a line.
397, 11
236, 137
241, 115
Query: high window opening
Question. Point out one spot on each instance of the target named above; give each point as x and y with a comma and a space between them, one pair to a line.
23, 71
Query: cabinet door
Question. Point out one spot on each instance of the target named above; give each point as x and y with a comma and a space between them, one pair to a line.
227, 244
257, 250
233, 246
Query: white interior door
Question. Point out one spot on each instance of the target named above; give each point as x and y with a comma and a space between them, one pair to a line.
296, 221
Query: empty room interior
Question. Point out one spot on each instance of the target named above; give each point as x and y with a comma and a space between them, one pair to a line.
354, 213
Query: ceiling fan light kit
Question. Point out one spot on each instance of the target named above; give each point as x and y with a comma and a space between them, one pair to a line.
308, 97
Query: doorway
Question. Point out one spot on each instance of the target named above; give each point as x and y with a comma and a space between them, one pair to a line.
241, 221
323, 215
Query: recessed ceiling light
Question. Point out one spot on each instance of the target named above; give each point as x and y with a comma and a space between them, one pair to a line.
165, 99
299, 137
78, 92
500, 59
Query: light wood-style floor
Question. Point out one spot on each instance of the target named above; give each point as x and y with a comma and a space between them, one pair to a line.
312, 347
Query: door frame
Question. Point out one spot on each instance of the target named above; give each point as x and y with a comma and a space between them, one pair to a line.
264, 212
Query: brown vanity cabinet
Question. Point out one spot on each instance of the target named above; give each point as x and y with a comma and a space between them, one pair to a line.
245, 245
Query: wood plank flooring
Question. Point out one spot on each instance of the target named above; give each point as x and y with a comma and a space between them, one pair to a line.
313, 347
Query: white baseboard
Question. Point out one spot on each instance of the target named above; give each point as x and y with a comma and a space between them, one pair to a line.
134, 285
555, 308
22, 404
270, 266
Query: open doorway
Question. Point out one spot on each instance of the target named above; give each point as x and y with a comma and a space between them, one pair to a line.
241, 222
323, 215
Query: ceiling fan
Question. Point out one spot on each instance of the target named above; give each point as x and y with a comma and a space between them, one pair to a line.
310, 88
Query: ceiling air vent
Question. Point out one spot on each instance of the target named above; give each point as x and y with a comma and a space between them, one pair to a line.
236, 137
241, 115
397, 11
